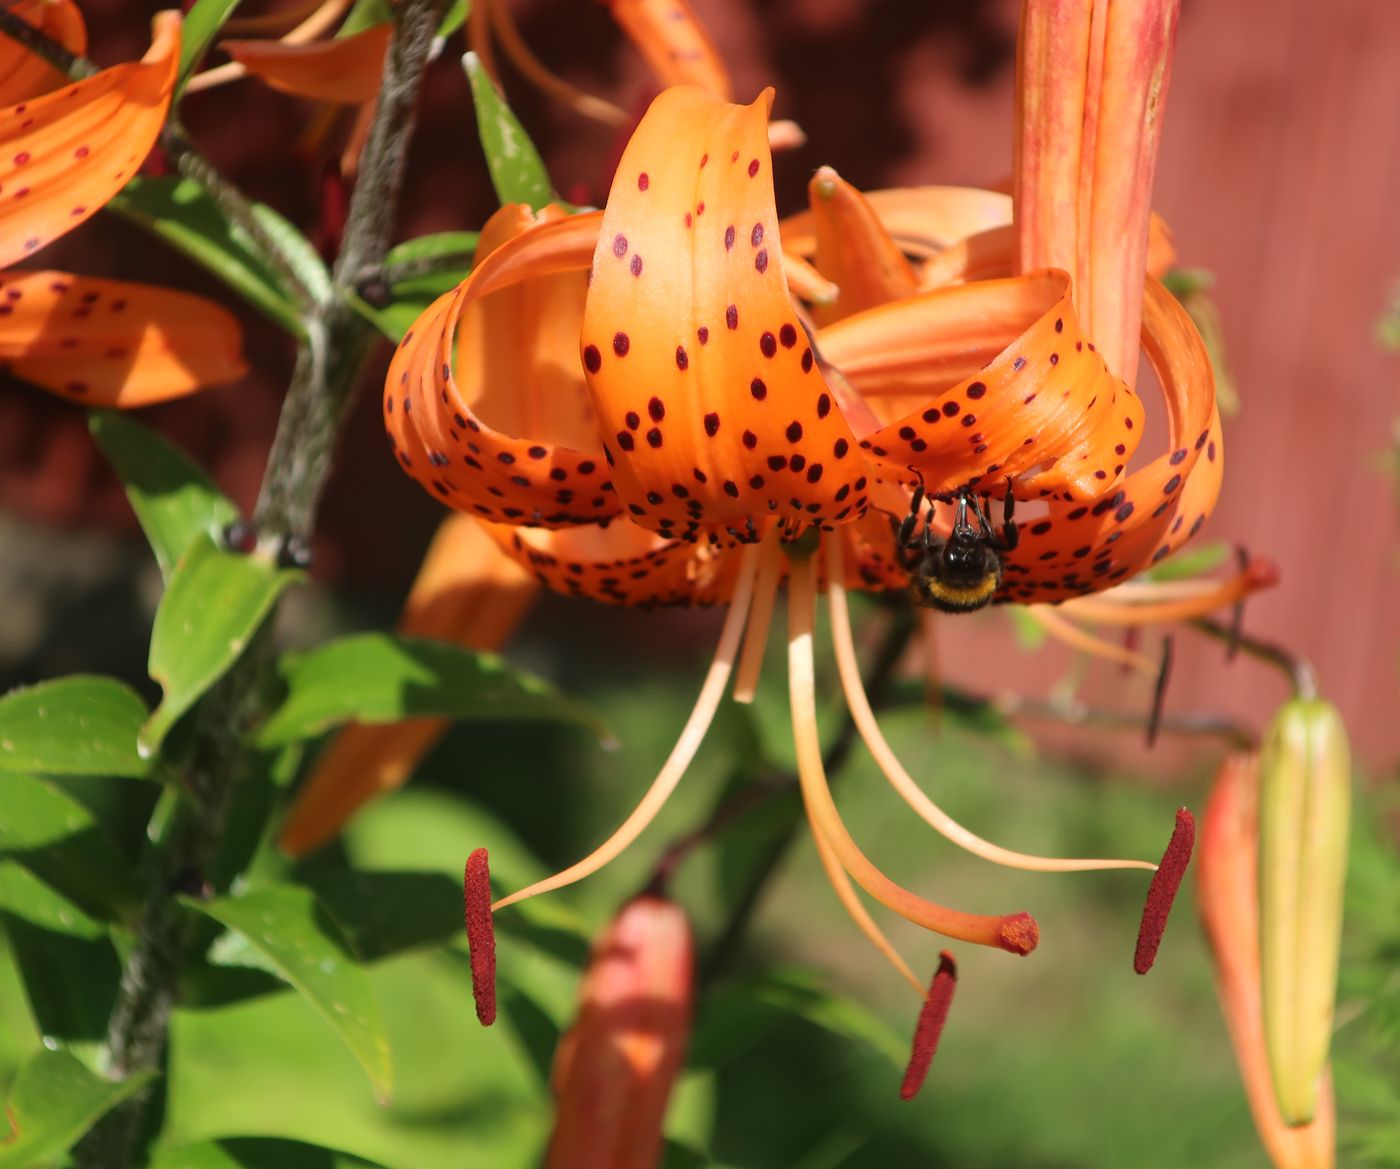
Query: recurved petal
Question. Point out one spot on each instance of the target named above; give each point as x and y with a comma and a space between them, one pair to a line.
674, 43
1078, 548
342, 69
23, 74
853, 250
706, 390
1004, 380
921, 220
63, 155
464, 459
114, 343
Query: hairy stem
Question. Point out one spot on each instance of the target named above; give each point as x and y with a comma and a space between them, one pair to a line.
329, 364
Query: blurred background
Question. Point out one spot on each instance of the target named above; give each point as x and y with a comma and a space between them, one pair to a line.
1280, 174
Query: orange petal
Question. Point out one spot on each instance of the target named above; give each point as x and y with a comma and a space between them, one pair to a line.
1005, 381
1091, 84
1079, 549
342, 69
62, 156
674, 43
24, 75
922, 220
615, 1067
463, 459
1228, 896
466, 593
854, 250
706, 391
113, 343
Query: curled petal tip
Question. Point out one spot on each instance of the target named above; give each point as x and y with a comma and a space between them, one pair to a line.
929, 1028
481, 934
1161, 893
1019, 933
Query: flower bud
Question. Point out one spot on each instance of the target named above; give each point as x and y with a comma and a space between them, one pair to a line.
614, 1069
1304, 805
1227, 892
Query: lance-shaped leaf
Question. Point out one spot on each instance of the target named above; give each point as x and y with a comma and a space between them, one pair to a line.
113, 342
63, 155
1304, 809
203, 20
377, 677
54, 1100
287, 926
172, 497
82, 725
262, 1152
517, 171
214, 603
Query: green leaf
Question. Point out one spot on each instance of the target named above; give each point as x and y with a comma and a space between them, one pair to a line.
384, 914
455, 16
198, 30
1030, 633
214, 603
296, 250
517, 171
256, 1153
172, 497
366, 14
183, 213
381, 678
287, 926
80, 725
56, 839
54, 1101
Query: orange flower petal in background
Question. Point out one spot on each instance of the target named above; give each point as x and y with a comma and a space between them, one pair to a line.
343, 69
24, 75
615, 1067
677, 48
466, 593
114, 343
1227, 889
63, 155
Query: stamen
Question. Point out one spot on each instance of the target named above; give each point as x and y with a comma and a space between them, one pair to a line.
930, 1026
1016, 932
681, 754
770, 567
1062, 629
1159, 692
1152, 603
539, 74
900, 779
1162, 891
481, 934
805, 282
846, 894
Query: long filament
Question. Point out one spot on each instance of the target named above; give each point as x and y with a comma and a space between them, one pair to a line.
1062, 629
900, 779
770, 567
716, 680
1015, 932
321, 20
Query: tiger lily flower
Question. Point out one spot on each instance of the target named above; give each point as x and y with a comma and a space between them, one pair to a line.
63, 154
726, 447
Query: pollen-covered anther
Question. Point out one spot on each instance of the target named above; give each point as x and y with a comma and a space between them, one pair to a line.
481, 934
929, 1028
1161, 893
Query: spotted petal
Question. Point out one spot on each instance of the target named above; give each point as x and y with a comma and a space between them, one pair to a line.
343, 69
63, 155
706, 390
23, 74
114, 343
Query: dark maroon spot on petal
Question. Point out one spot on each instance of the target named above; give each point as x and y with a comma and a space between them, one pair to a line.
621, 344
624, 440
760, 261
21, 158
1060, 325
481, 934
1019, 363
840, 447
758, 388
643, 181
976, 390
633, 420
729, 234
731, 488
1162, 891
657, 409
756, 236
756, 482
592, 359
794, 432
703, 334
619, 245
1210, 451
753, 168
1171, 485
1054, 359
807, 361
682, 358
768, 344
1041, 528
950, 409
712, 424
823, 405
750, 439
654, 437
731, 316
636, 265
777, 462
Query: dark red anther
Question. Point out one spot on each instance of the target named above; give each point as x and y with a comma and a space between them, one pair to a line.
931, 1019
481, 935
1162, 892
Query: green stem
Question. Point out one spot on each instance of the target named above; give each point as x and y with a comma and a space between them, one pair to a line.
329, 364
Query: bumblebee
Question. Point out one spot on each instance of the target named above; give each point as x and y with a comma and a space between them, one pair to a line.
962, 572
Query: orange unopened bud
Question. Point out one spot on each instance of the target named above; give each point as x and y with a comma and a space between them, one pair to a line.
1227, 890
1304, 808
614, 1069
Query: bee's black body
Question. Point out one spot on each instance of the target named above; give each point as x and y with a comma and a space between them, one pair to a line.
962, 572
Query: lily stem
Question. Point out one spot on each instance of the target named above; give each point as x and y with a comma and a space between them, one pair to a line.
1299, 670
328, 370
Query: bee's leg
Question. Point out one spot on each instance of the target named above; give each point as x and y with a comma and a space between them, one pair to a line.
1010, 533
905, 535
